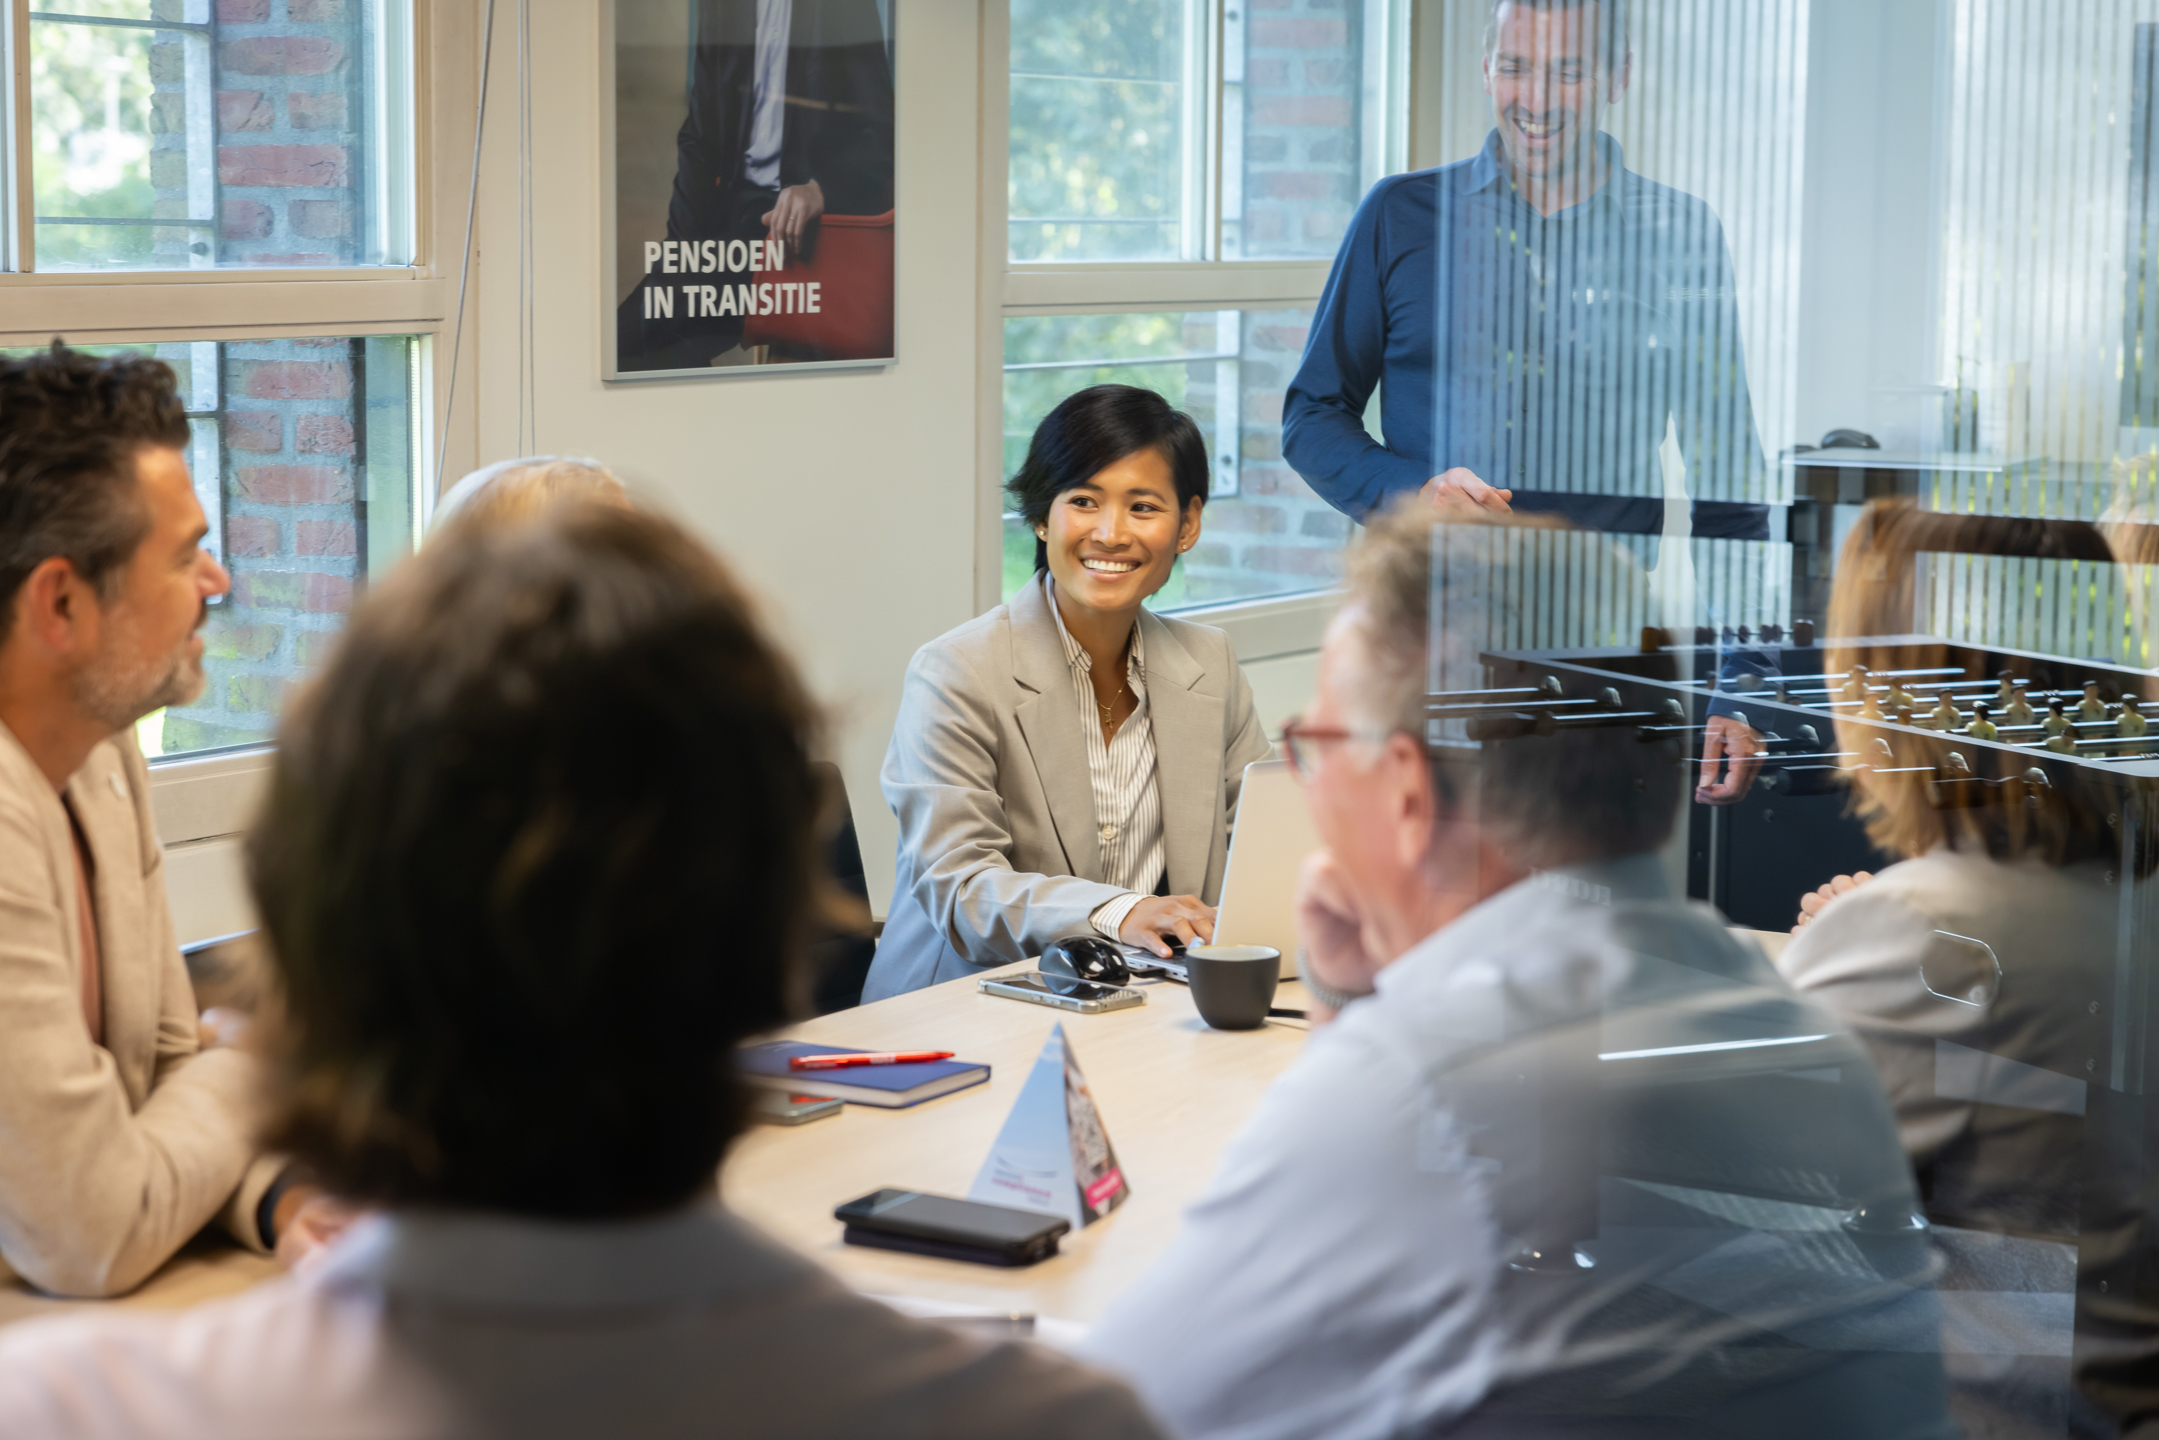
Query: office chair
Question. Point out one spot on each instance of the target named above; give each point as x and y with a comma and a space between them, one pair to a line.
840, 959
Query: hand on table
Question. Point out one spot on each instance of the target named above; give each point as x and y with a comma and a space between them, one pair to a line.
1459, 487
1734, 743
308, 1222
1332, 929
1811, 903
1184, 916
792, 215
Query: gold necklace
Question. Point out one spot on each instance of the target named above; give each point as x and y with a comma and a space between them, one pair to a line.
1109, 721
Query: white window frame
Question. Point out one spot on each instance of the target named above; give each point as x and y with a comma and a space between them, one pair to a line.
1011, 289
204, 800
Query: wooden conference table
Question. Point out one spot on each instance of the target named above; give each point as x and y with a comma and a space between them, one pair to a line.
1170, 1090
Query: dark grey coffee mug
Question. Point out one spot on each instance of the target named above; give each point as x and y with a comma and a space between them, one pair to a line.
1232, 985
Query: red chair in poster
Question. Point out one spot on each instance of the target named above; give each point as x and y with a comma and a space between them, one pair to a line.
851, 265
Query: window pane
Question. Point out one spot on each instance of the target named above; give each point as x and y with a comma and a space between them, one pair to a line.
303, 457
178, 136
1305, 128
1104, 130
1264, 531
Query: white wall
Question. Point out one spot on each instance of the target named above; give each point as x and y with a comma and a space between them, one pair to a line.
847, 498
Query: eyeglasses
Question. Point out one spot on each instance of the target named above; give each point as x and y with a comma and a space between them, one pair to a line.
1301, 742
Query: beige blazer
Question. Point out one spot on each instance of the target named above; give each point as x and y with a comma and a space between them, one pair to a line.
111, 1156
987, 773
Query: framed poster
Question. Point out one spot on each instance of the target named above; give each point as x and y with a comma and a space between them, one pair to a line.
750, 171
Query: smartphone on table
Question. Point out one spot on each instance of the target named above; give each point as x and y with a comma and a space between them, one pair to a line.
1087, 997
950, 1228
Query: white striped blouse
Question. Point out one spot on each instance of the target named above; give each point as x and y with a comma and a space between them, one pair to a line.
1121, 770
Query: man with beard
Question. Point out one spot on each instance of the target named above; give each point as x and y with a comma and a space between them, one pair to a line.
121, 1139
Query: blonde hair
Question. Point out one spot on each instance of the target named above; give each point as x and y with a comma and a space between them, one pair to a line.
513, 490
2071, 817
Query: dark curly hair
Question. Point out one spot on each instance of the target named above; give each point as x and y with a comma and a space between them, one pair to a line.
537, 855
1093, 429
70, 424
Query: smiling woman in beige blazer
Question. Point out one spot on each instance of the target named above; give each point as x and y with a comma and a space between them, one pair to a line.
1069, 764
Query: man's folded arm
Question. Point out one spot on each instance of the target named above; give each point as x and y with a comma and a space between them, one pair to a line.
94, 1196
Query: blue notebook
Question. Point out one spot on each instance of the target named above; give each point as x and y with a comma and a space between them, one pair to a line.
890, 1087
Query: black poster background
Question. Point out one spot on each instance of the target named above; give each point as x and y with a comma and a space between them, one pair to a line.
696, 290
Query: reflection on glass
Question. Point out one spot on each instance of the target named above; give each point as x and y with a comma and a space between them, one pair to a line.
249, 138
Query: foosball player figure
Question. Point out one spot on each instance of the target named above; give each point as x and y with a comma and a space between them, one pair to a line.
2019, 710
1945, 716
2092, 707
2131, 719
1981, 727
1855, 683
2057, 723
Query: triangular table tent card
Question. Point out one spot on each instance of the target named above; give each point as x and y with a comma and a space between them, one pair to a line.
1053, 1153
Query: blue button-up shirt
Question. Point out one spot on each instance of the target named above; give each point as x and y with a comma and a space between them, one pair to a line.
1548, 354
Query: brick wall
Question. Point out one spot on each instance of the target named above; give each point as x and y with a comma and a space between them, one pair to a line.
1301, 170
292, 541
288, 138
1274, 536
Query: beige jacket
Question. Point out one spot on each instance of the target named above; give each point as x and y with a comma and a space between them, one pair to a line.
987, 774
111, 1156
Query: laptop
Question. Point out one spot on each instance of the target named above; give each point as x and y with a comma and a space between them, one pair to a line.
1267, 850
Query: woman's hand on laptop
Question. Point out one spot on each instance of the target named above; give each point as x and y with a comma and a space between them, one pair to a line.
1332, 930
1184, 916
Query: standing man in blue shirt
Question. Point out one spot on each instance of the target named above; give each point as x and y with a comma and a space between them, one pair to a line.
1535, 317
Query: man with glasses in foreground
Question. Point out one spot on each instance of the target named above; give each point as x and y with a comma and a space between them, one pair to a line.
1569, 1159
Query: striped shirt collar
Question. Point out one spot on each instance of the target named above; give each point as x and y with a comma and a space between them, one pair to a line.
1076, 654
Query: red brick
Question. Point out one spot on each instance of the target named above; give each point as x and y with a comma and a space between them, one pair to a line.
1326, 73
292, 590
321, 219
1268, 480
325, 111
1242, 517
245, 110
1326, 225
327, 537
313, 166
246, 220
254, 694
1293, 185
315, 11
1329, 110
319, 342
243, 12
325, 435
280, 55
1263, 408
1280, 337
1277, 32
1294, 560
296, 379
168, 113
295, 484
259, 432
1262, 74
250, 537
290, 262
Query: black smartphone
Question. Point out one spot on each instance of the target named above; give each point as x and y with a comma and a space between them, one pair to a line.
950, 1228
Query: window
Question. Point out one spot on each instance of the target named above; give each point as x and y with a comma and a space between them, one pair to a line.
182, 134
153, 143
1161, 149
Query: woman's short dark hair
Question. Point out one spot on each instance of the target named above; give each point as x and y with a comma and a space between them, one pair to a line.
1092, 430
537, 855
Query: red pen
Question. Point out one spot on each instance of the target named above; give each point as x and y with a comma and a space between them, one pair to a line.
845, 1062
